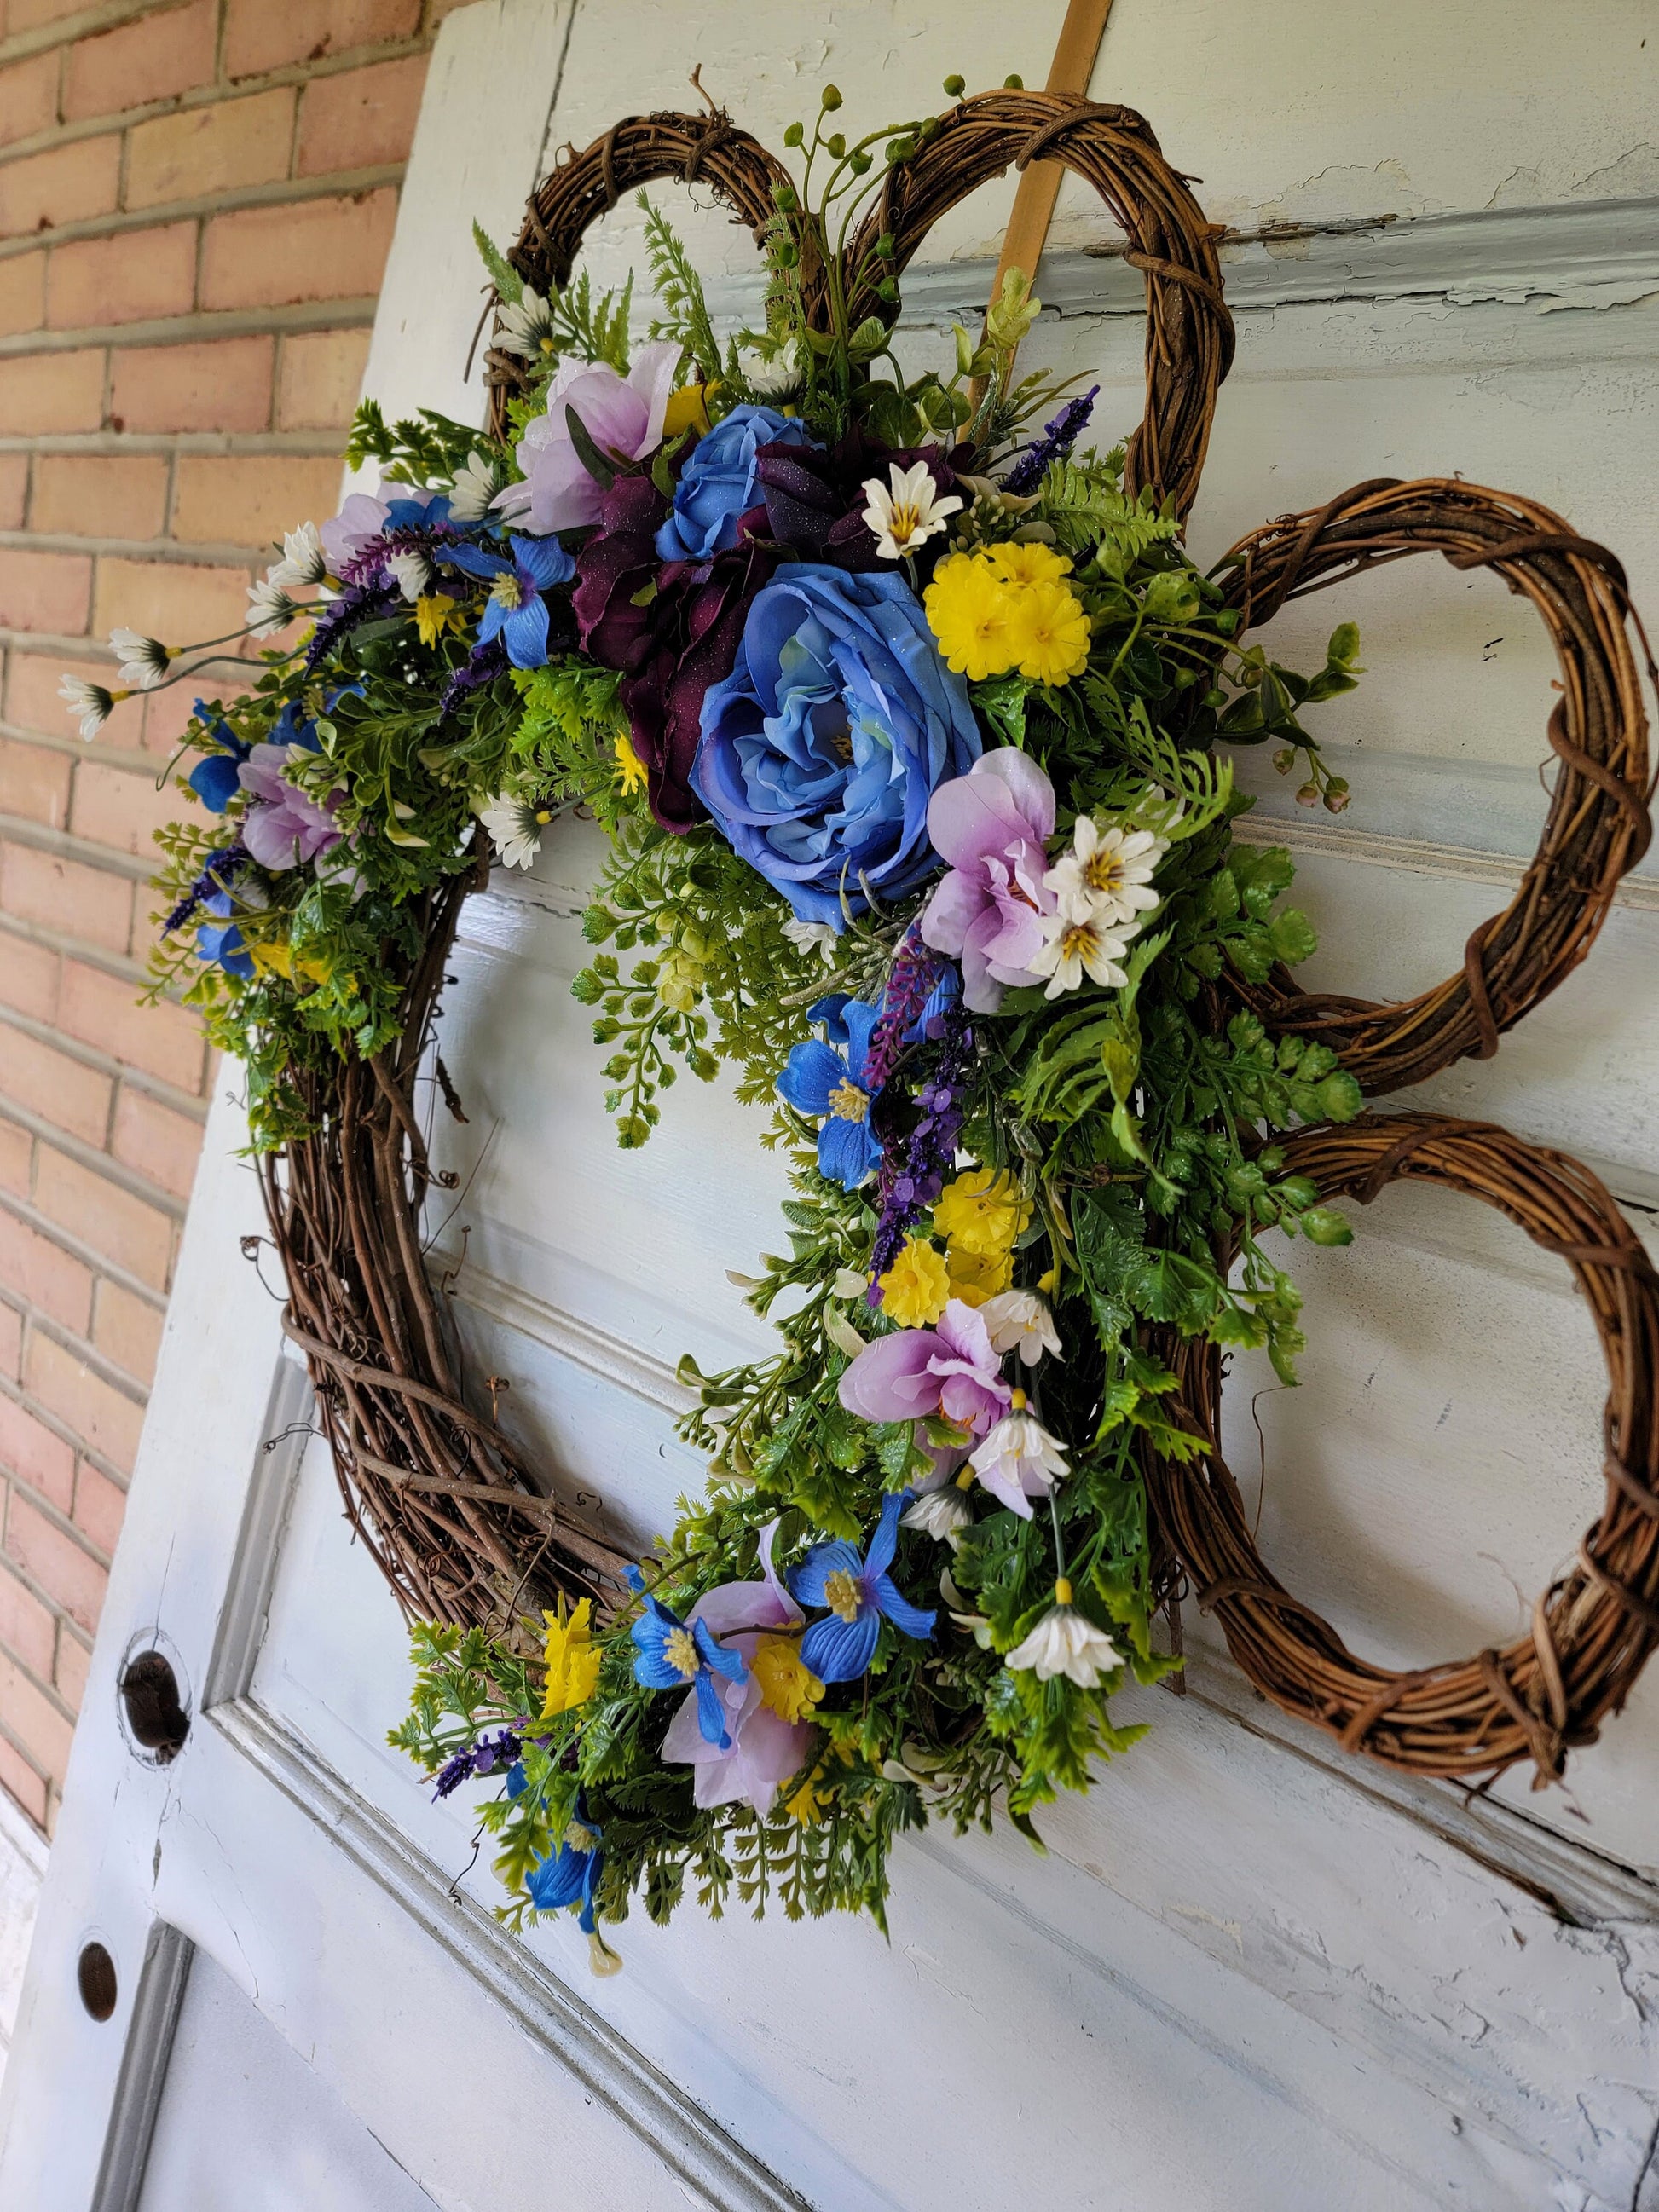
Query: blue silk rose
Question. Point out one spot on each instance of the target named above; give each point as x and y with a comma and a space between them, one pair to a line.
717, 483
821, 750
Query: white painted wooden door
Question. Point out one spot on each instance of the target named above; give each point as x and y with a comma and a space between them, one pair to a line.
1248, 1973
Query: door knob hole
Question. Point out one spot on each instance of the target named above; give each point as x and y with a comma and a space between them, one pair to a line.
94, 1973
155, 1716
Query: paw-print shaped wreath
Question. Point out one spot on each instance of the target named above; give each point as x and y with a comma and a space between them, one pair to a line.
452, 1542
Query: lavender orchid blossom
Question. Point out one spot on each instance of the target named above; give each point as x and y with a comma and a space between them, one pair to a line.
762, 1749
284, 827
992, 825
949, 1370
623, 417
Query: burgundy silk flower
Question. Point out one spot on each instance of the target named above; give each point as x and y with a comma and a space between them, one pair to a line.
815, 501
671, 628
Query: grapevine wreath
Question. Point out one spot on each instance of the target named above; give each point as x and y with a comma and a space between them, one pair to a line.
908, 716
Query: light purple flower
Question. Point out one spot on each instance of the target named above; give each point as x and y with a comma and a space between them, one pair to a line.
623, 416
762, 1749
364, 517
360, 521
992, 825
284, 827
949, 1369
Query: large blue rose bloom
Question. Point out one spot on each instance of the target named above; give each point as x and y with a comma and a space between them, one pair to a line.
821, 750
717, 483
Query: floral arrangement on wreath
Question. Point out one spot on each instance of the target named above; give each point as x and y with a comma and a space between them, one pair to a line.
902, 720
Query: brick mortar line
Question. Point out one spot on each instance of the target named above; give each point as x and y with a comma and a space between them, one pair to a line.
47, 741
289, 319
53, 1785
220, 90
38, 1410
282, 191
104, 1165
37, 1590
242, 445
69, 30
103, 1063
116, 965
82, 1348
77, 1249
160, 552
63, 845
53, 1695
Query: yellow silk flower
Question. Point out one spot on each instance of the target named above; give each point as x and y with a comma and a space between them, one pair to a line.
1048, 633
916, 1288
630, 768
968, 610
572, 1659
976, 1276
787, 1688
982, 1212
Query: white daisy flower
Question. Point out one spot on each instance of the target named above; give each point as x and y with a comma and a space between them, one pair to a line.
1064, 1642
415, 574
1020, 1321
1107, 873
1078, 944
303, 563
476, 484
941, 1514
143, 659
269, 609
910, 513
515, 828
526, 327
775, 380
1019, 1459
813, 937
92, 703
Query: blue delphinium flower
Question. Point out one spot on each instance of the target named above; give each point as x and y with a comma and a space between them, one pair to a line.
821, 750
859, 1595
570, 1876
673, 1656
515, 611
717, 483
819, 1081
213, 779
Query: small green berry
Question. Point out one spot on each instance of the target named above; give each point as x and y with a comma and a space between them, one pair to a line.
837, 145
886, 245
783, 195
955, 86
795, 134
858, 161
829, 98
887, 290
1013, 84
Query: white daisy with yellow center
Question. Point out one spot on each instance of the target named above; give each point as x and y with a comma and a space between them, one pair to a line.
909, 515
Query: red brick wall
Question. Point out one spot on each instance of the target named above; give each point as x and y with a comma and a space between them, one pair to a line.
196, 202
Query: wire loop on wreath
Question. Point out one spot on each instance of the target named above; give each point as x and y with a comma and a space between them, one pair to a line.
1597, 828
1592, 1630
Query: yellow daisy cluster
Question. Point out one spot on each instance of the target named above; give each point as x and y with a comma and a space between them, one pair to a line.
1005, 607
787, 1688
979, 1216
